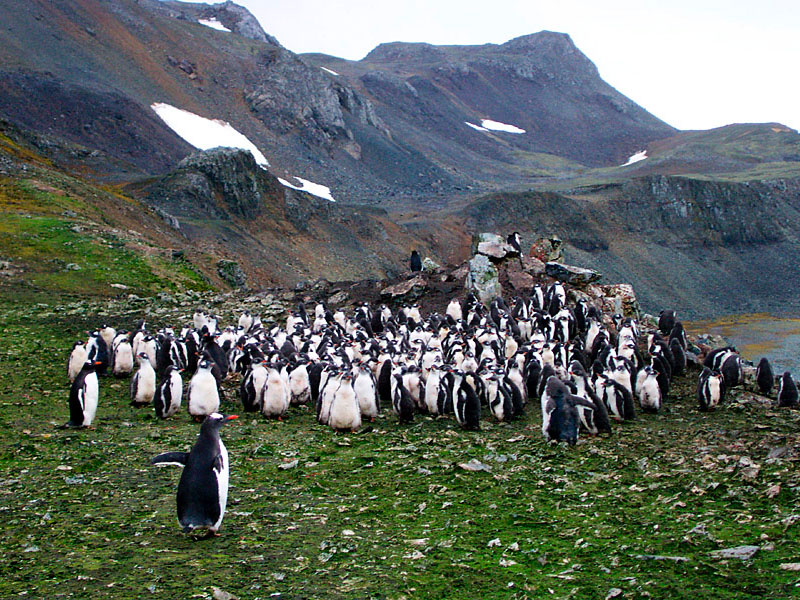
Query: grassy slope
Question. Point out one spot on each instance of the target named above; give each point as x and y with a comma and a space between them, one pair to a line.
86, 516
63, 235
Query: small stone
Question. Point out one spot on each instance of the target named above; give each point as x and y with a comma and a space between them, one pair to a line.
219, 594
613, 593
408, 290
493, 543
740, 552
475, 465
790, 566
288, 465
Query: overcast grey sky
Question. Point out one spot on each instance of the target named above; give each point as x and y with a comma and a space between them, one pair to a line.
696, 64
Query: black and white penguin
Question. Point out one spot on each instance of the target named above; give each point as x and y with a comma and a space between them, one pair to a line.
276, 393
143, 384
97, 352
515, 242
678, 355
710, 389
415, 262
467, 407
787, 391
203, 394
83, 396
169, 393
299, 383
764, 376
402, 403
251, 390
203, 487
77, 358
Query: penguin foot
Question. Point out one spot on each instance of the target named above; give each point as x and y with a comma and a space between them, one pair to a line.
211, 533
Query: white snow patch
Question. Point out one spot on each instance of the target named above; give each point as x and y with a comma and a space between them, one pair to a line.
214, 24
498, 126
315, 189
327, 70
476, 127
203, 133
636, 158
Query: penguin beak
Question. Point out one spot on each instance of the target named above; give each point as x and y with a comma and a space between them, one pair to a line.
231, 418
97, 363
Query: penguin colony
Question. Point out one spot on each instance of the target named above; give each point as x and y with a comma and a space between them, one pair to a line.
473, 362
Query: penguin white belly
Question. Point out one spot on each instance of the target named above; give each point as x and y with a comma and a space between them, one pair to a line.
123, 359
365, 393
145, 386
276, 398
432, 393
327, 400
223, 476
345, 413
300, 386
91, 393
203, 395
176, 391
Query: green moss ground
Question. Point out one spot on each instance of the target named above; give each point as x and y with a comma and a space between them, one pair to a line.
385, 513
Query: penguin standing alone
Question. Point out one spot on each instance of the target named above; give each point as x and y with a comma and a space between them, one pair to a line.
764, 377
415, 262
787, 391
203, 487
83, 396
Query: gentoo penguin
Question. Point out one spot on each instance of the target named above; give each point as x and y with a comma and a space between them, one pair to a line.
648, 390
203, 487
764, 376
415, 262
787, 391
203, 395
167, 399
299, 384
83, 396
77, 358
560, 420
246, 321
108, 334
97, 351
345, 414
122, 358
710, 389
515, 242
143, 384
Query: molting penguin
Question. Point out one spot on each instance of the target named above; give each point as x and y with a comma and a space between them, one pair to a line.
77, 359
276, 393
167, 399
143, 384
251, 390
666, 321
203, 487
648, 390
764, 376
83, 396
787, 391
415, 262
203, 395
122, 358
345, 414
366, 390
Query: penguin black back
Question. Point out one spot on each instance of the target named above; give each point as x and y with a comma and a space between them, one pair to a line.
415, 262
764, 376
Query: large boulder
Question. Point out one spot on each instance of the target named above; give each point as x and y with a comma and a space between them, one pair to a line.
231, 273
483, 279
406, 290
491, 245
547, 249
571, 274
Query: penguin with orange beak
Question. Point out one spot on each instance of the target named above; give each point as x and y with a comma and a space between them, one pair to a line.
203, 487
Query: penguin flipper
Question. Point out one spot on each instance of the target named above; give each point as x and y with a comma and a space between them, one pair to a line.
177, 459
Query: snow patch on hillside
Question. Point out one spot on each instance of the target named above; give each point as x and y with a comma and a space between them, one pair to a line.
312, 188
214, 24
498, 126
636, 158
327, 70
203, 133
476, 127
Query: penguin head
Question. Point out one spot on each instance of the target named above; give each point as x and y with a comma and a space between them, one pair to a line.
216, 420
142, 356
